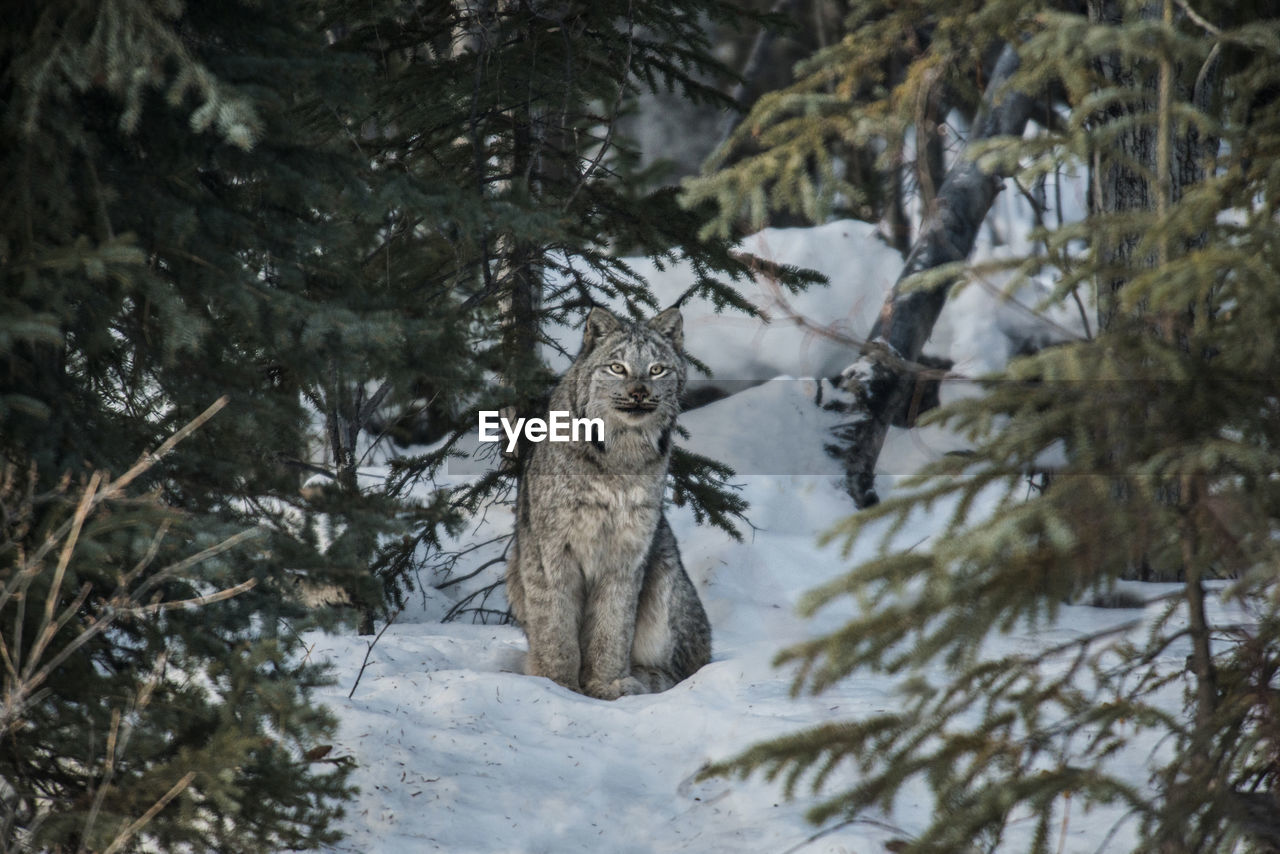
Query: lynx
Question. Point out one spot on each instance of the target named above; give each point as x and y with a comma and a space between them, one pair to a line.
594, 576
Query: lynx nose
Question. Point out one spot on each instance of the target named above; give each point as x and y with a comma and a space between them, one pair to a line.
638, 394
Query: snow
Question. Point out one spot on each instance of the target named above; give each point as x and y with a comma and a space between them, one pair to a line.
737, 348
456, 750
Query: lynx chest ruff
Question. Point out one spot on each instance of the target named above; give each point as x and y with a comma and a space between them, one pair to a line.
594, 574
611, 525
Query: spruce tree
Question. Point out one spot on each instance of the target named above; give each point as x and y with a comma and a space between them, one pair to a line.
188, 214
1164, 419
507, 115
134, 713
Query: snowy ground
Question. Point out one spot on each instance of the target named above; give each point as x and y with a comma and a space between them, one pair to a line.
459, 752
456, 750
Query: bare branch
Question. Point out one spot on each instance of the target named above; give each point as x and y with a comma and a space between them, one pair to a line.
227, 593
369, 651
128, 832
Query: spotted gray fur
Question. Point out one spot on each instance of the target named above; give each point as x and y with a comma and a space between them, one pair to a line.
594, 575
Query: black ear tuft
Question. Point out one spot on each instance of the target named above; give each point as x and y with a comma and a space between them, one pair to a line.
671, 324
600, 322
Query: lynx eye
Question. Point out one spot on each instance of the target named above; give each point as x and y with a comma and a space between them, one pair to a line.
618, 368
657, 370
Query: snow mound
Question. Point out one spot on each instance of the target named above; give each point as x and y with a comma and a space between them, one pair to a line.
737, 348
815, 333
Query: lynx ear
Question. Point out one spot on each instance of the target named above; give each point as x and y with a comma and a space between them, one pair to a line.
600, 322
671, 324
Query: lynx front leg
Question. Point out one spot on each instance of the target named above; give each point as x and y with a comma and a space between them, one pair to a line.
607, 634
553, 609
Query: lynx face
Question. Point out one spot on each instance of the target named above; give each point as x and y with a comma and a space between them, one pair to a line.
632, 373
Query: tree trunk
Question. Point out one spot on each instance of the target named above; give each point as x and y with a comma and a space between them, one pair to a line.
1119, 174
743, 93
1122, 172
883, 378
1146, 166
522, 264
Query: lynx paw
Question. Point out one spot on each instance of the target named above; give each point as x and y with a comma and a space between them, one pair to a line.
623, 687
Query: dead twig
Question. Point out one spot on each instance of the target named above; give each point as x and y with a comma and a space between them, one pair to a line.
151, 813
371, 644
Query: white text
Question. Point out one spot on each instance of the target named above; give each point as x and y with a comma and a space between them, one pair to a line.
557, 427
